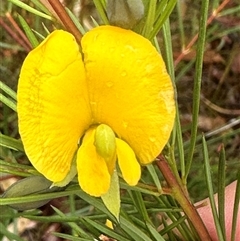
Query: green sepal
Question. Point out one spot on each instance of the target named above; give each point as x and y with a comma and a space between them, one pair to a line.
111, 199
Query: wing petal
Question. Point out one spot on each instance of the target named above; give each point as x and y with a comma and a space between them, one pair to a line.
53, 104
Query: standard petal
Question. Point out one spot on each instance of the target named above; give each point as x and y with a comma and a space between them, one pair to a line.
93, 175
128, 163
130, 89
53, 105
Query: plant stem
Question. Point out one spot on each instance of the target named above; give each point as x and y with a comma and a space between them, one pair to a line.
22, 36
179, 195
66, 20
13, 33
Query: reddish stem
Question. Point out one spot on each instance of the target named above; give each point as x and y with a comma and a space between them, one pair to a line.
179, 194
66, 20
14, 35
18, 30
194, 39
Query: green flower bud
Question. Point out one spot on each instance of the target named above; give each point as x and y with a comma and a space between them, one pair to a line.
125, 13
28, 186
105, 144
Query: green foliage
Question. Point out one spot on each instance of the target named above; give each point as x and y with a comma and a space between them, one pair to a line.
150, 210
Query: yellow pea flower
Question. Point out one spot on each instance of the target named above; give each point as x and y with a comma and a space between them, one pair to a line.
116, 92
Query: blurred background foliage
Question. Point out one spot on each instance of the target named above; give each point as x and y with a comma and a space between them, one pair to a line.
219, 114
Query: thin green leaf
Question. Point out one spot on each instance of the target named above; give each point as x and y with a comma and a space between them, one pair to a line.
229, 11
154, 175
41, 7
14, 172
13, 47
11, 143
76, 22
8, 102
95, 23
182, 227
214, 34
96, 203
168, 54
39, 35
32, 38
150, 19
19, 214
32, 198
173, 225
55, 218
210, 189
226, 130
221, 190
141, 188
101, 10
134, 232
105, 230
160, 8
157, 236
30, 9
79, 231
177, 131
184, 70
70, 237
8, 90
179, 139
197, 84
163, 17
139, 205
14, 165
236, 209
91, 228
180, 7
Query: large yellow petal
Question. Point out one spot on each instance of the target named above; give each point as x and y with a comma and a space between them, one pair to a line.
130, 89
93, 175
128, 163
53, 105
